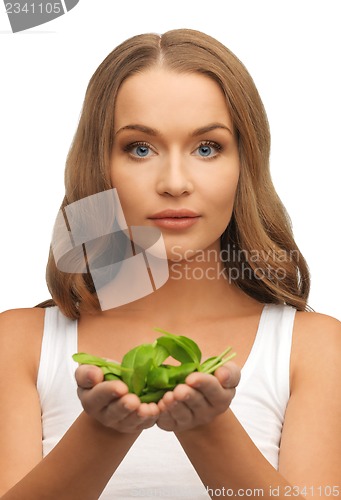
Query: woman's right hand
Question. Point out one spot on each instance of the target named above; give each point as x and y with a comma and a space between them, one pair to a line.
110, 403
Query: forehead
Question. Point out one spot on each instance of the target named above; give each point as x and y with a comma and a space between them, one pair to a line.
159, 96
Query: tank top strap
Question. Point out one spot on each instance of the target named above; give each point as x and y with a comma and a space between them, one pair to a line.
263, 392
271, 350
59, 343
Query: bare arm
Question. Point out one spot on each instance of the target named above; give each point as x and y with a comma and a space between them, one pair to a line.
311, 444
79, 466
310, 455
82, 462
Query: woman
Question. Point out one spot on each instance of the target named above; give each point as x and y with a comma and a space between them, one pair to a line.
175, 125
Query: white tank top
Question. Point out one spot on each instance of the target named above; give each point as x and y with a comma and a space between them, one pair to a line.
156, 466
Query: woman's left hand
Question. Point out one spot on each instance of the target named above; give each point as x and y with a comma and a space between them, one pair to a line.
197, 402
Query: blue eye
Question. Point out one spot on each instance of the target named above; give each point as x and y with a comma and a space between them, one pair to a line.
142, 151
208, 150
205, 150
139, 150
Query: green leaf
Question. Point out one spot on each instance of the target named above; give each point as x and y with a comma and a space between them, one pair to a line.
111, 376
208, 363
158, 378
175, 350
138, 380
86, 359
192, 346
160, 354
108, 371
211, 364
168, 376
178, 374
142, 369
152, 396
221, 363
139, 360
179, 347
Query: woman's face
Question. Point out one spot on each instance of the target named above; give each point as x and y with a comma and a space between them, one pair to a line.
175, 160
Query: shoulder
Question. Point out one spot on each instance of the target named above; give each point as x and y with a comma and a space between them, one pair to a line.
21, 332
316, 341
21, 322
311, 325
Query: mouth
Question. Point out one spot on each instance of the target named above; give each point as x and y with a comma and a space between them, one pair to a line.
175, 219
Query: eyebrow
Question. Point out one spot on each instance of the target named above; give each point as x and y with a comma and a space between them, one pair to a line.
195, 133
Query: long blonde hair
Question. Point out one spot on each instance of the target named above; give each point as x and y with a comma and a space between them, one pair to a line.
264, 260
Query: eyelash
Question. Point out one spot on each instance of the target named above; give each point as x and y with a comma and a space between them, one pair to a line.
211, 144
129, 147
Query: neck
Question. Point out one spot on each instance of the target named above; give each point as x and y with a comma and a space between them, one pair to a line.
196, 289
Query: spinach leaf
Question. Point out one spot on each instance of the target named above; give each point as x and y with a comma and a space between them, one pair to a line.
179, 347
142, 367
111, 376
158, 378
152, 396
160, 354
139, 360
211, 364
178, 374
86, 359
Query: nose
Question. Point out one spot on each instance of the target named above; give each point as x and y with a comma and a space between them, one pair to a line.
174, 178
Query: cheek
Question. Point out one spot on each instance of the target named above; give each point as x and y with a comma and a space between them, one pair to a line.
224, 193
125, 186
222, 203
124, 194
132, 199
126, 200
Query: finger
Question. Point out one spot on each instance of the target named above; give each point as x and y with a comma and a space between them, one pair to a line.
148, 410
146, 423
119, 409
129, 404
228, 375
166, 422
148, 413
193, 399
88, 376
193, 403
210, 387
101, 395
131, 414
166, 400
161, 405
199, 380
177, 407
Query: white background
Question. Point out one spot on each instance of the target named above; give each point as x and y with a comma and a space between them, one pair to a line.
292, 50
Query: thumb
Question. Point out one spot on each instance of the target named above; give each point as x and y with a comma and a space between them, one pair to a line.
228, 375
87, 376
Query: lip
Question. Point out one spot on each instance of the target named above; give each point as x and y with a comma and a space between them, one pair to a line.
175, 219
172, 213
